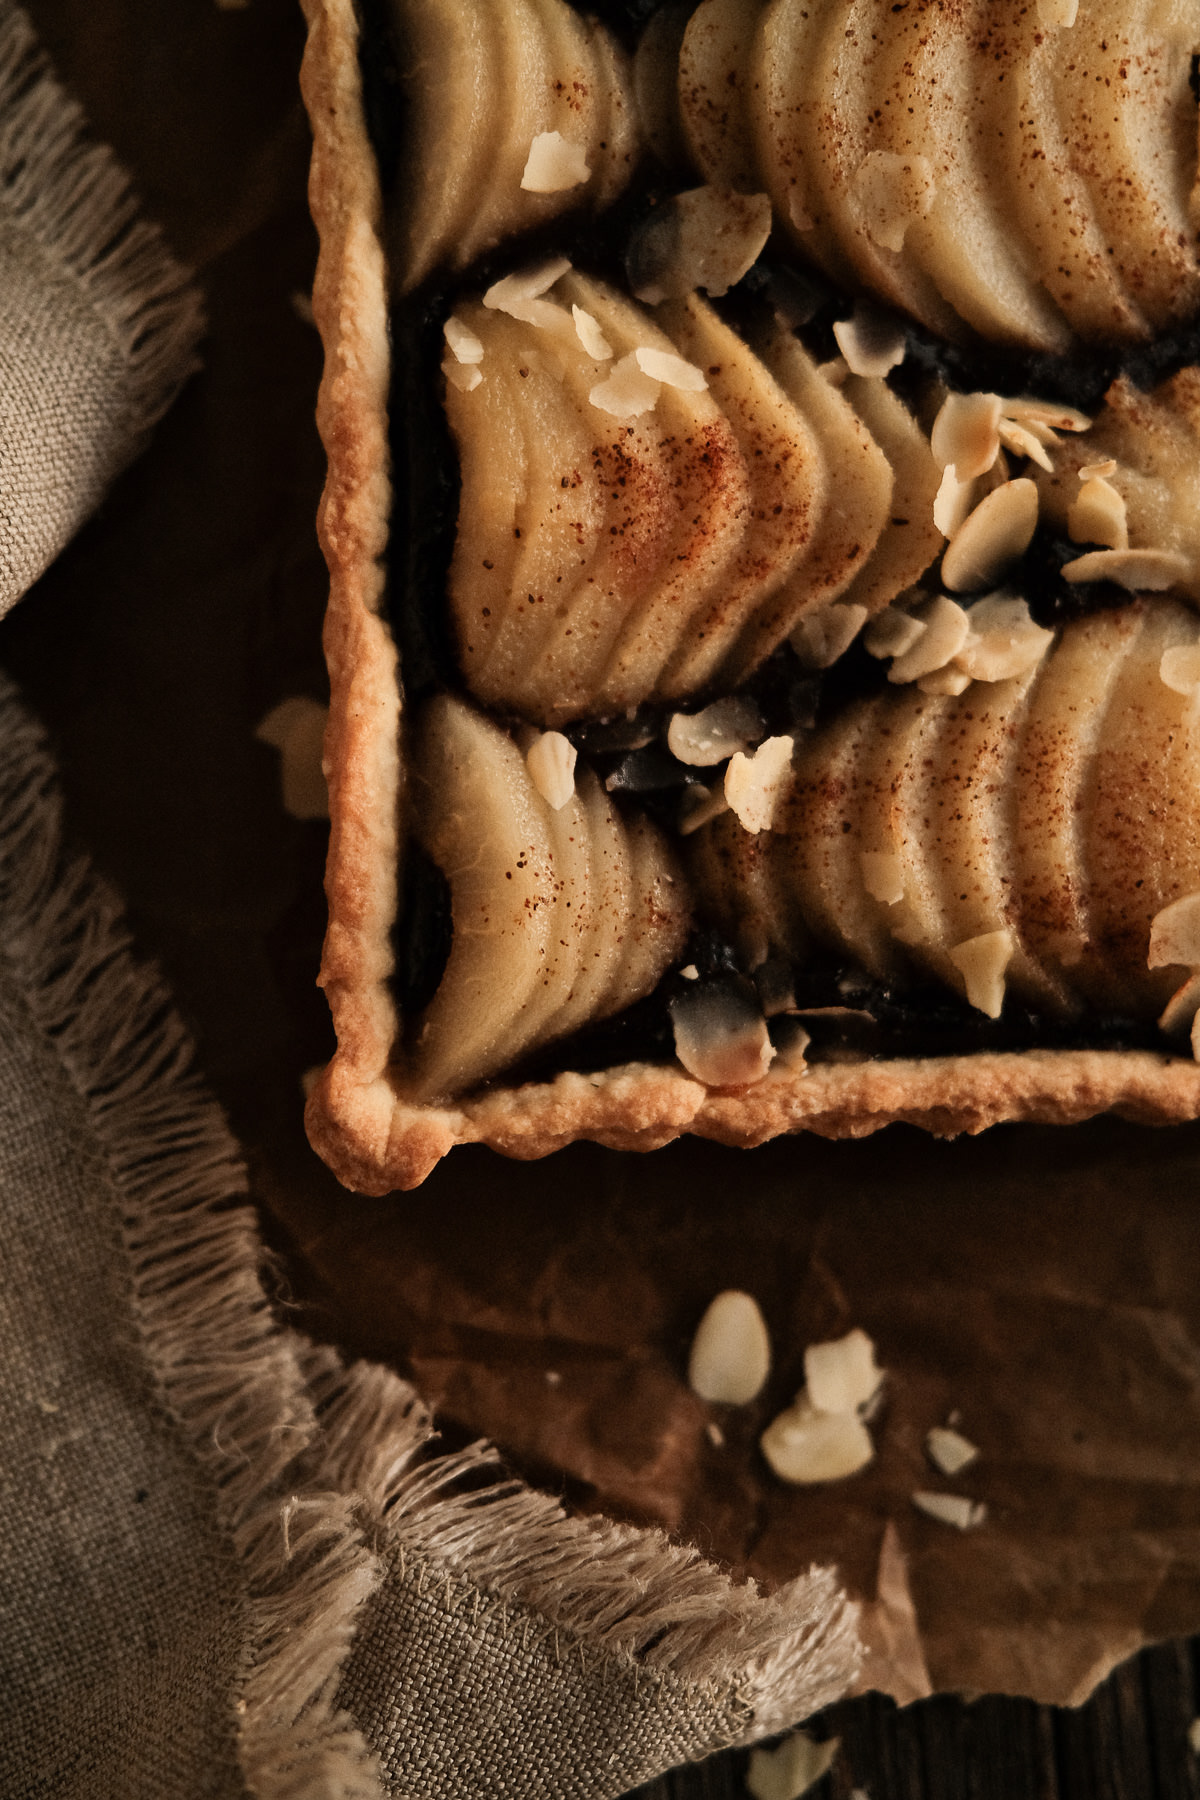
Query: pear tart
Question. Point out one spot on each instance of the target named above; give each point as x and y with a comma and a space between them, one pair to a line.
799, 723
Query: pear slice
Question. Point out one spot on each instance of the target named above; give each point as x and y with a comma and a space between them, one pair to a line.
1124, 86
857, 493
605, 907
714, 63
1049, 200
1140, 842
656, 926
787, 481
616, 143
452, 51
909, 542
925, 85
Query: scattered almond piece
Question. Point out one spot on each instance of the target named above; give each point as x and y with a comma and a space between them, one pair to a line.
731, 1351
525, 284
690, 972
892, 632
720, 1037
842, 1375
982, 962
791, 1768
754, 783
550, 760
966, 434
836, 371
871, 340
1141, 571
1003, 640
949, 1450
671, 370
699, 805
706, 238
465, 347
823, 636
946, 627
704, 738
951, 680
952, 502
296, 728
1046, 412
892, 192
1180, 668
465, 377
1175, 934
1024, 442
992, 537
883, 876
590, 335
1179, 1014
628, 392
1097, 516
951, 1509
1098, 471
805, 1446
554, 165
715, 1435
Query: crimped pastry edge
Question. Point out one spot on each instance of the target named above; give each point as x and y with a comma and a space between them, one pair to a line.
357, 1117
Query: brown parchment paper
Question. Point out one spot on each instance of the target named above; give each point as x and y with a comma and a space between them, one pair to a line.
1042, 1283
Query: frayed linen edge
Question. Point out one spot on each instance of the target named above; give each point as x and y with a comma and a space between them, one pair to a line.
229, 1379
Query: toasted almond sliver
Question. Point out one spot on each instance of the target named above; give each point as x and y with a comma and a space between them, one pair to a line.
1004, 641
1097, 515
699, 805
628, 392
892, 632
1180, 668
883, 876
805, 1446
1023, 442
1046, 412
526, 284
1140, 571
982, 962
720, 1037
550, 760
590, 335
1098, 471
871, 340
1179, 1014
952, 504
841, 1375
966, 434
705, 738
946, 628
948, 1450
891, 192
952, 1509
554, 165
671, 370
951, 680
731, 1351
1175, 934
465, 377
465, 347
822, 636
999, 530
754, 784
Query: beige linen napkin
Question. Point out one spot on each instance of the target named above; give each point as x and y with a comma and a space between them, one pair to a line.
232, 1564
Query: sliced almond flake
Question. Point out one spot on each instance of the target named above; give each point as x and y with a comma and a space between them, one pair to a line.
720, 1036
554, 165
526, 284
706, 237
1175, 935
465, 347
841, 1375
550, 760
946, 628
951, 680
871, 340
883, 876
731, 1351
671, 370
992, 537
699, 805
953, 501
705, 738
892, 192
296, 729
1097, 515
982, 962
690, 972
1023, 442
892, 632
1140, 571
966, 434
949, 1450
465, 377
1098, 471
715, 1435
1003, 641
755, 783
1046, 412
1179, 1014
1180, 668
791, 1768
628, 392
590, 335
823, 636
951, 1509
791, 1042
836, 371
805, 1446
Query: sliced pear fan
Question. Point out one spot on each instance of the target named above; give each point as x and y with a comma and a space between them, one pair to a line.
559, 916
482, 82
713, 71
1034, 825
